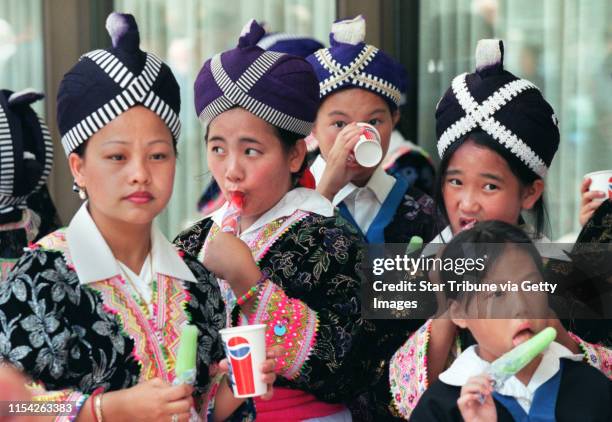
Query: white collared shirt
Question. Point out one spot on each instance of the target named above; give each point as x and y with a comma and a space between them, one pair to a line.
468, 364
365, 202
304, 199
543, 244
94, 261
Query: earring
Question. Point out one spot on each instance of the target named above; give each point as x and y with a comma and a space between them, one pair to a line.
82, 193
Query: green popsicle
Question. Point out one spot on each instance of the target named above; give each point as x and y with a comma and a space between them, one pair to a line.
416, 243
185, 370
516, 359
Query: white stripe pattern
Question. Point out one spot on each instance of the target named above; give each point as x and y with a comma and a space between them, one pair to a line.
237, 94
7, 201
481, 115
135, 90
354, 74
270, 40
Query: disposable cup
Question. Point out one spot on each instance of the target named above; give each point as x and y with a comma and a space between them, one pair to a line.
245, 348
601, 181
368, 151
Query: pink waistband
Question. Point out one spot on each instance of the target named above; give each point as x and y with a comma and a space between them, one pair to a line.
293, 405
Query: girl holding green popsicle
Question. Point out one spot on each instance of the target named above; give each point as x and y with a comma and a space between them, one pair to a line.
93, 312
515, 371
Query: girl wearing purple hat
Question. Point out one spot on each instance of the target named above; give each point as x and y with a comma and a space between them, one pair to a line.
93, 312
497, 137
294, 265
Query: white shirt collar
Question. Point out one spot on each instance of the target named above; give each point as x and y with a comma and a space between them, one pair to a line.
83, 238
469, 364
380, 182
303, 199
543, 244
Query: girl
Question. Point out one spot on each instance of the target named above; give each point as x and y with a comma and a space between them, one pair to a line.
27, 156
359, 83
550, 387
294, 265
94, 311
496, 137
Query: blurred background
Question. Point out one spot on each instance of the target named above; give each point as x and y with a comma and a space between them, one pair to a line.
563, 46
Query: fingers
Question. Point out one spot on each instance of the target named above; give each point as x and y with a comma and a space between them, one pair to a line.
584, 186
479, 385
178, 392
588, 197
224, 366
268, 395
179, 407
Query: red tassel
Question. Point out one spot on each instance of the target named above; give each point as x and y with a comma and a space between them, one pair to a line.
307, 180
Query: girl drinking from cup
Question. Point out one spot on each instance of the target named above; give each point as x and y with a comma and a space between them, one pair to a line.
291, 264
497, 137
93, 312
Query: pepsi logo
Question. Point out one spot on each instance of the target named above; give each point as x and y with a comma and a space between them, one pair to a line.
238, 348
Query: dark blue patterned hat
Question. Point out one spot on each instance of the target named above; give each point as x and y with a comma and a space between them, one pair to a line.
511, 110
351, 63
278, 88
297, 45
26, 149
106, 83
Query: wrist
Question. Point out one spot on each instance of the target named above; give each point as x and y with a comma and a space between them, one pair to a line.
112, 408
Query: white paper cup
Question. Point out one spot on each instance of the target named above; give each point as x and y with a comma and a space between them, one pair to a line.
601, 181
368, 151
245, 348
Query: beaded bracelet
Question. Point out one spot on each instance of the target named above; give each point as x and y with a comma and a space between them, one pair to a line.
246, 297
253, 290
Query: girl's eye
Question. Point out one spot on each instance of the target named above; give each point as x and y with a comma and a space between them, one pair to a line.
454, 182
158, 157
217, 150
251, 152
374, 122
339, 124
116, 157
489, 187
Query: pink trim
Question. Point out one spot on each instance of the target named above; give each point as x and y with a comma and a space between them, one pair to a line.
293, 405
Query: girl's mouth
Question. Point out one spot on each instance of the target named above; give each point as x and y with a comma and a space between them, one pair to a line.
467, 223
524, 333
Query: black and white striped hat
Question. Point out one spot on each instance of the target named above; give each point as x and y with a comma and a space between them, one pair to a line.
26, 149
105, 83
510, 110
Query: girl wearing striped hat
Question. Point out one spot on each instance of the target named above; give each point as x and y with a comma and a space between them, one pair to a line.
497, 136
93, 312
26, 156
291, 264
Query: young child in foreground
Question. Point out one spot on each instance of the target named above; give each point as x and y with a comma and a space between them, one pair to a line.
556, 385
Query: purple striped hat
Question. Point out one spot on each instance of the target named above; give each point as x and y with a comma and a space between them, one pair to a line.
103, 84
279, 88
351, 63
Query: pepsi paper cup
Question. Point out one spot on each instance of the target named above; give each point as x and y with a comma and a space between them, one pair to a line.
368, 151
601, 181
245, 348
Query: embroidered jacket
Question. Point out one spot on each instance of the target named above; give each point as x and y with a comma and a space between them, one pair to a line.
311, 303
72, 338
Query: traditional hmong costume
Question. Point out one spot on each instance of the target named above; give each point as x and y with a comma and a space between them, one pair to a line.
512, 113
311, 300
297, 45
26, 157
561, 389
387, 209
73, 317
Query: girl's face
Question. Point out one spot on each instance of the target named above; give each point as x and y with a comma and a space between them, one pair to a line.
245, 154
353, 105
128, 168
502, 320
478, 185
